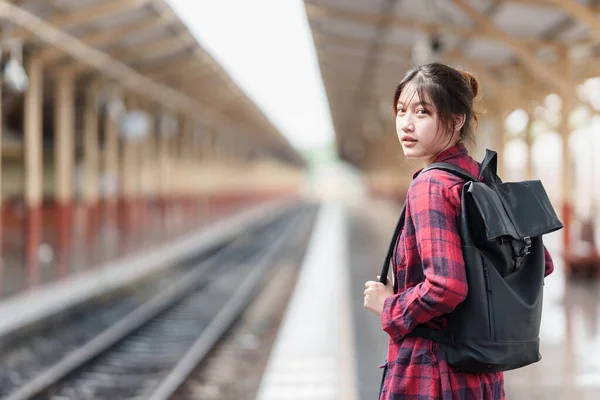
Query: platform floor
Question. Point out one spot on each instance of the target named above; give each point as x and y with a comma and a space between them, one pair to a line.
347, 249
312, 357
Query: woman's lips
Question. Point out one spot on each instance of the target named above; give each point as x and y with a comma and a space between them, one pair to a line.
408, 141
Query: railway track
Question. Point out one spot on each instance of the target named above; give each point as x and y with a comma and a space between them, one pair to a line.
149, 350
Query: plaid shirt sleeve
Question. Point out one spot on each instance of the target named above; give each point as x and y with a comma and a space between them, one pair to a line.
434, 212
549, 263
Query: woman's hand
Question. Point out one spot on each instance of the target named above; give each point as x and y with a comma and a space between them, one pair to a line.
375, 295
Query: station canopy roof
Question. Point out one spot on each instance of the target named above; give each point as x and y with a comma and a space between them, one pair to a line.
516, 48
143, 46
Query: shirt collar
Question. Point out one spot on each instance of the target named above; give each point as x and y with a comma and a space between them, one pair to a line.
451, 152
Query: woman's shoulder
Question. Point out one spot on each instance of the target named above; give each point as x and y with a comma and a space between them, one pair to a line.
436, 178
436, 185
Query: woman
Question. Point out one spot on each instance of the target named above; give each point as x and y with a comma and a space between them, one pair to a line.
434, 117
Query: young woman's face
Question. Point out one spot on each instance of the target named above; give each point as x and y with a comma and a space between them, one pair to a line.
418, 127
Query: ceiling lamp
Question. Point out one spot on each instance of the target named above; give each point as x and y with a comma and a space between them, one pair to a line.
14, 75
135, 125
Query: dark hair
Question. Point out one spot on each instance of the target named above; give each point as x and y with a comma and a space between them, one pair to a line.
451, 91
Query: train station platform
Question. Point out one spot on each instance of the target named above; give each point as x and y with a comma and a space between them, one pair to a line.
312, 357
153, 253
329, 346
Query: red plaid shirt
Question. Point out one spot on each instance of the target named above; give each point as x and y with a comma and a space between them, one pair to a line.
429, 267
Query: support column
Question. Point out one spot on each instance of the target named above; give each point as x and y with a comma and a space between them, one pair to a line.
198, 140
197, 163
568, 103
145, 178
91, 163
132, 181
33, 166
177, 192
112, 177
64, 152
1, 196
91, 156
527, 89
128, 188
111, 159
1, 133
163, 154
163, 162
217, 159
216, 147
205, 160
187, 156
185, 139
529, 167
149, 164
171, 207
64, 148
153, 175
499, 140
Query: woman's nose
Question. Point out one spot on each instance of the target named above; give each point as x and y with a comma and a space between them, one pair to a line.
406, 124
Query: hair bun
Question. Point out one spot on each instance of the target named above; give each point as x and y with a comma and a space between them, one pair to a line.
472, 82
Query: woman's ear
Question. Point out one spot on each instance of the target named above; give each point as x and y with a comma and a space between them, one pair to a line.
459, 121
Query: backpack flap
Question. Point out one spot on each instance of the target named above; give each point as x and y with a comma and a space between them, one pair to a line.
518, 210
532, 211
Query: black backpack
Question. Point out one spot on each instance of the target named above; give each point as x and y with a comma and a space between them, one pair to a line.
496, 328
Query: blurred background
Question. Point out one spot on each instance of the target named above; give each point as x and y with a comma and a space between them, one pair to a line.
193, 192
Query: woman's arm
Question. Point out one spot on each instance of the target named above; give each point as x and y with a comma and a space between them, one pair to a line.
434, 211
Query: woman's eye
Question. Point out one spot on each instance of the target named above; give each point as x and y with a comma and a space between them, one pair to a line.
421, 111
400, 111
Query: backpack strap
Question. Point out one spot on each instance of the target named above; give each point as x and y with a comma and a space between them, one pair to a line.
452, 169
386, 264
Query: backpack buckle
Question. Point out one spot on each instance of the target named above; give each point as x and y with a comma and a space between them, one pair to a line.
525, 251
519, 251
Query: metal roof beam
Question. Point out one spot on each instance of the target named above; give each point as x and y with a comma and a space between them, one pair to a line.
581, 13
538, 68
85, 15
52, 54
130, 79
128, 56
315, 11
